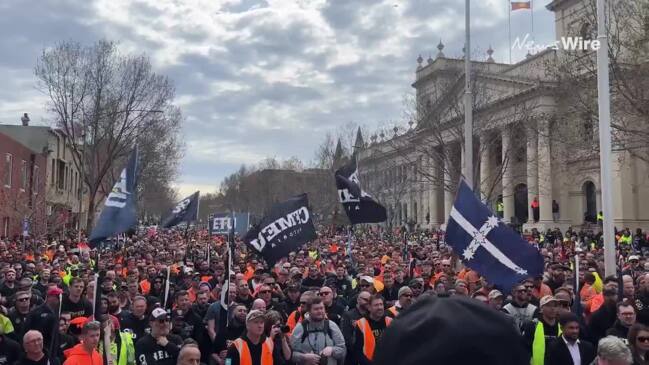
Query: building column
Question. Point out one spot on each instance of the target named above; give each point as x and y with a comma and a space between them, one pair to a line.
435, 192
507, 176
485, 173
545, 171
448, 193
532, 171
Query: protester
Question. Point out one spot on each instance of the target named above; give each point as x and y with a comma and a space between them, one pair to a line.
317, 340
625, 319
189, 355
568, 349
159, 347
613, 351
639, 343
538, 333
34, 353
86, 352
369, 330
253, 348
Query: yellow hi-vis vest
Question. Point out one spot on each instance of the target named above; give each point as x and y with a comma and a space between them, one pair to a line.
538, 344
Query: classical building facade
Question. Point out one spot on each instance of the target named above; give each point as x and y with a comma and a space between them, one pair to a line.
527, 147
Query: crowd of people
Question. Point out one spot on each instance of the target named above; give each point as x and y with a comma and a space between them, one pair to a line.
388, 297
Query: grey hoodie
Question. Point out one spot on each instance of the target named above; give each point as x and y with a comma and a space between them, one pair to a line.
317, 340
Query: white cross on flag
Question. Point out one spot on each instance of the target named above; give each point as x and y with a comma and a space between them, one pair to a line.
487, 245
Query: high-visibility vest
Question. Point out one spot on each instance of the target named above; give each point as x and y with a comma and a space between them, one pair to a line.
127, 348
369, 342
244, 352
538, 344
393, 310
293, 319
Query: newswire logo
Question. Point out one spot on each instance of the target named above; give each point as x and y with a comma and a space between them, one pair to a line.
563, 43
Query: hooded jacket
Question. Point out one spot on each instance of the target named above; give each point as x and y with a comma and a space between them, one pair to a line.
79, 356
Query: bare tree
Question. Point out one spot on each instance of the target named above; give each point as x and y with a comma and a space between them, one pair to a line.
108, 102
575, 73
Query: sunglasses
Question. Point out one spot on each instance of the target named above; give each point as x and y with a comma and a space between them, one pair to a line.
22, 299
264, 292
642, 339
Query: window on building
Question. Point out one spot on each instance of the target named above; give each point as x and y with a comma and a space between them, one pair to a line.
36, 180
60, 181
23, 175
6, 179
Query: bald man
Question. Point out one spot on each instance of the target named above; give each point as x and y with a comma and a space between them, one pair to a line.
189, 355
33, 345
258, 304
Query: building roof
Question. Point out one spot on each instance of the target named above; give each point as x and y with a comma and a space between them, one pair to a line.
33, 137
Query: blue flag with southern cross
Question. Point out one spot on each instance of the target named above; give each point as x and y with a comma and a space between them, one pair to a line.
487, 245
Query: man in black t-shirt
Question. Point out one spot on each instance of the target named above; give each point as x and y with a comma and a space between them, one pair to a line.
9, 350
135, 321
159, 347
34, 353
74, 302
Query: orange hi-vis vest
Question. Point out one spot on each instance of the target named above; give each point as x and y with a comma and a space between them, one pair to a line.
293, 319
393, 310
244, 352
369, 342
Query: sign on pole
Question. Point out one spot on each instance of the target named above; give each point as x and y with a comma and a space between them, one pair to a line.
221, 223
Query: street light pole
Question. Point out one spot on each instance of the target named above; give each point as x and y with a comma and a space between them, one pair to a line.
604, 106
468, 100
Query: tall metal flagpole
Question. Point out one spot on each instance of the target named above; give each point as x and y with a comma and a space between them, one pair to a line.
604, 105
509, 29
468, 101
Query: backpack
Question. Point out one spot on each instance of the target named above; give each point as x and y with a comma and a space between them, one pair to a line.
305, 324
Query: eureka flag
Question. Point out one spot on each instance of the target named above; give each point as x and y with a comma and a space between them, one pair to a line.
487, 245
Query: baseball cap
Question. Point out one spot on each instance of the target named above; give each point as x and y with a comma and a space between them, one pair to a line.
634, 257
254, 314
495, 294
159, 313
367, 279
547, 299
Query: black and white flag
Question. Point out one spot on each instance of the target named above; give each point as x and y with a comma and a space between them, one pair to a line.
359, 206
285, 228
185, 211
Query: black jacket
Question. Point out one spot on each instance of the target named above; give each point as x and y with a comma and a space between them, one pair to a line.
45, 321
618, 330
558, 353
602, 320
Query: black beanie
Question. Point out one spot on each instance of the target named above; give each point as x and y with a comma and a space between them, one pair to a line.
451, 330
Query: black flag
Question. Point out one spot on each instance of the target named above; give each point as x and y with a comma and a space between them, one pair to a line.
185, 211
287, 226
359, 206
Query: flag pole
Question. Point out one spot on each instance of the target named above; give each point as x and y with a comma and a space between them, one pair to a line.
167, 287
604, 106
509, 29
468, 100
532, 17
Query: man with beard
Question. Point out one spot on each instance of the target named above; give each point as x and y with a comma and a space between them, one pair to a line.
235, 328
74, 302
292, 300
628, 289
539, 333
113, 304
18, 314
201, 305
369, 330
348, 321
334, 310
625, 319
520, 308
243, 294
417, 287
557, 277
43, 280
135, 321
192, 324
405, 300
569, 349
342, 282
8, 287
317, 339
313, 281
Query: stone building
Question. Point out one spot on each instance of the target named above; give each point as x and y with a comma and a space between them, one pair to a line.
525, 147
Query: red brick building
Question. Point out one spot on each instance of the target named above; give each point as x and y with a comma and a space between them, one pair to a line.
22, 187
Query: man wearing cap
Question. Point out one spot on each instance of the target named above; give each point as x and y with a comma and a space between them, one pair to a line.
557, 276
538, 333
158, 347
253, 348
496, 298
122, 349
44, 317
405, 300
292, 300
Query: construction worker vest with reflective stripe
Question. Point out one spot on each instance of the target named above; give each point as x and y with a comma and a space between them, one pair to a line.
369, 342
538, 344
244, 352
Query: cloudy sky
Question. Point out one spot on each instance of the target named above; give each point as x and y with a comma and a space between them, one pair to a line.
260, 78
